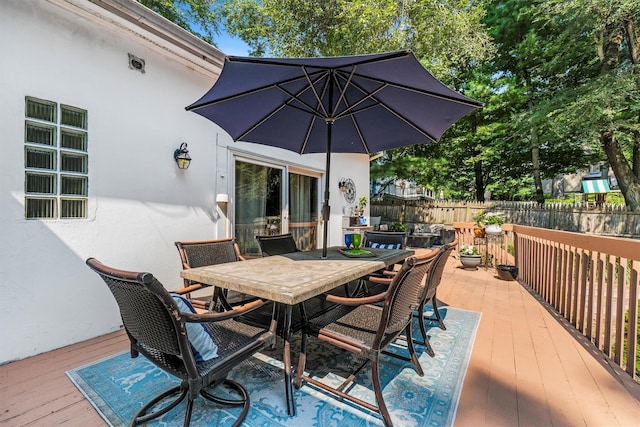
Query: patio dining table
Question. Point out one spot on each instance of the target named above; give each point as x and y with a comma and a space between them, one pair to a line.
291, 279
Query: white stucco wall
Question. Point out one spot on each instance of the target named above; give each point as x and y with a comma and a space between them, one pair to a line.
139, 202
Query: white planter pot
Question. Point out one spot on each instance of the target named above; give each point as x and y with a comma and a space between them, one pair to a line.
470, 262
493, 229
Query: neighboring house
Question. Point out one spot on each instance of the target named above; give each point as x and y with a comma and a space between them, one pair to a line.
93, 108
572, 183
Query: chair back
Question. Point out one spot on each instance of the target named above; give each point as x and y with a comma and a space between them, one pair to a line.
150, 316
434, 275
277, 245
403, 297
385, 239
208, 252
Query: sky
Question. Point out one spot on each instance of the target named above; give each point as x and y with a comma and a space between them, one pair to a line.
232, 46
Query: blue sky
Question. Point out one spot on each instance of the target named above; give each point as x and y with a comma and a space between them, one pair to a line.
232, 46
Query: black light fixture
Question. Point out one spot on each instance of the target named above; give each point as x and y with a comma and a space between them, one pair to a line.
181, 155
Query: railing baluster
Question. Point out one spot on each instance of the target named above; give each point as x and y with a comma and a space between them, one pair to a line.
600, 280
608, 309
632, 329
619, 315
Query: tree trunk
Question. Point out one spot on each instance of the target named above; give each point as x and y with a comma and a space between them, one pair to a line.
628, 182
633, 41
535, 147
477, 168
625, 174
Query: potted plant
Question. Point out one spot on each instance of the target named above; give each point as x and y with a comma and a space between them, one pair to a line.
470, 257
478, 230
362, 203
491, 223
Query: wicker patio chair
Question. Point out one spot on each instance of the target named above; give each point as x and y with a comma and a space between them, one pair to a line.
162, 332
433, 278
363, 328
385, 239
201, 253
277, 245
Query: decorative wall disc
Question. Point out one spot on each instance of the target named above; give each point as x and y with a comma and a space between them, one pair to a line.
349, 188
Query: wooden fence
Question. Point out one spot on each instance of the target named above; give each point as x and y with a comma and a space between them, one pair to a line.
609, 220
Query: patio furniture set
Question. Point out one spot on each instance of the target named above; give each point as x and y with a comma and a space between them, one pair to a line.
336, 299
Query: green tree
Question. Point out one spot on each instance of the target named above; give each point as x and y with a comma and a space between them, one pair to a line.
196, 16
594, 103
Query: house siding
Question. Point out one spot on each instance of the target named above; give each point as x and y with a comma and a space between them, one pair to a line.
140, 203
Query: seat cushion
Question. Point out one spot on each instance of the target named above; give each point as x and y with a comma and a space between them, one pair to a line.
385, 246
202, 345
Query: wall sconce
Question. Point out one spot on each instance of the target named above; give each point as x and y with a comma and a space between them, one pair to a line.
181, 155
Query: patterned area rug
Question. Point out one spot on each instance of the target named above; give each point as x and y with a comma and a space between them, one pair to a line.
118, 385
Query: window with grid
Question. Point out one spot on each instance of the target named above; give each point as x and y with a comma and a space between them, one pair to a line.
55, 160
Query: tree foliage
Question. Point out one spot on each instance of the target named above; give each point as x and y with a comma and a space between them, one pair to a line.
197, 16
560, 79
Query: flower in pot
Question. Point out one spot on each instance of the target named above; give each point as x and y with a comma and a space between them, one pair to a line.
491, 223
478, 230
362, 203
469, 257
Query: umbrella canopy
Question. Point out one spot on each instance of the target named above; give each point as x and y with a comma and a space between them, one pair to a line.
350, 104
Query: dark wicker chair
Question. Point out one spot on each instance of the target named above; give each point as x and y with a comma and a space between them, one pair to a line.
365, 329
277, 245
158, 329
433, 278
210, 252
397, 239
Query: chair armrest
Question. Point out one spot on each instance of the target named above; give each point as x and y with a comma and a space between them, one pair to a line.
378, 279
356, 301
188, 289
224, 315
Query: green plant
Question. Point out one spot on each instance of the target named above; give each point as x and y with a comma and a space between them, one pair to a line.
362, 202
468, 250
483, 219
398, 226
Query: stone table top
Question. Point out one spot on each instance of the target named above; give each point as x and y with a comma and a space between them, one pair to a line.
296, 277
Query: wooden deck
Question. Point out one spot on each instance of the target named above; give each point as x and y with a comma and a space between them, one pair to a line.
527, 368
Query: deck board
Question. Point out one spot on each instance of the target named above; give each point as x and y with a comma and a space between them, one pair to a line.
527, 368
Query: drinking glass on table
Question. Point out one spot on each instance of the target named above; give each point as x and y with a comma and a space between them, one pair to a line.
347, 240
357, 239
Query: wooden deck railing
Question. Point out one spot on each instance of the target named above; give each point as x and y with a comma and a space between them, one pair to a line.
590, 280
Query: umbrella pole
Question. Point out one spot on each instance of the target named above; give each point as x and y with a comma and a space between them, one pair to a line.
326, 209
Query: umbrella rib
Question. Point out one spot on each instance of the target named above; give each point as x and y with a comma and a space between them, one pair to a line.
315, 93
292, 97
470, 102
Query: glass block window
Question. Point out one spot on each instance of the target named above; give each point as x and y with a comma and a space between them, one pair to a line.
55, 160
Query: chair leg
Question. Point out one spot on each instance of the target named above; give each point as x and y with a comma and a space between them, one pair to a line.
140, 417
243, 401
412, 351
382, 407
302, 361
434, 303
425, 339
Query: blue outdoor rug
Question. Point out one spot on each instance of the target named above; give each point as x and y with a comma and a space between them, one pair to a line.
118, 386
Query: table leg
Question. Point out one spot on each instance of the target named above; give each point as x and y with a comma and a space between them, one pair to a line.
288, 384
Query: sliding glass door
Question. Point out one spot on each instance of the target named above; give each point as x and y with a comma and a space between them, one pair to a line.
270, 201
303, 206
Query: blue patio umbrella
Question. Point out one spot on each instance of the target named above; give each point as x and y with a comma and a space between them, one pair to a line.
348, 104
